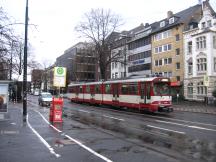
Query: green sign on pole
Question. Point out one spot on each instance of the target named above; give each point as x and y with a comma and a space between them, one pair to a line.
59, 76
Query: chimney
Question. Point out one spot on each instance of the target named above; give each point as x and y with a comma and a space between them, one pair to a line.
146, 25
169, 14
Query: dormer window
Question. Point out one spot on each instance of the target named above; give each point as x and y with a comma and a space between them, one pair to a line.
209, 23
203, 24
171, 20
162, 24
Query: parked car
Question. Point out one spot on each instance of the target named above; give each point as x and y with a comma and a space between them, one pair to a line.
36, 92
45, 99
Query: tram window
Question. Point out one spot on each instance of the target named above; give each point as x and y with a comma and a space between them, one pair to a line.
107, 89
76, 90
133, 88
80, 89
71, 90
161, 89
97, 89
87, 89
124, 89
148, 91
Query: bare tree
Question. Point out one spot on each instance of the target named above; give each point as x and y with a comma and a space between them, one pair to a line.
98, 26
11, 46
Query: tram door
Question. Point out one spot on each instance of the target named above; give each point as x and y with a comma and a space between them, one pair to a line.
115, 92
145, 91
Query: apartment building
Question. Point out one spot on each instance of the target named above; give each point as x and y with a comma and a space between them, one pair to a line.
119, 56
167, 44
139, 51
133, 52
200, 56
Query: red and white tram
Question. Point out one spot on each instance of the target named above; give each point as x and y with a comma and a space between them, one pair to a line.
151, 94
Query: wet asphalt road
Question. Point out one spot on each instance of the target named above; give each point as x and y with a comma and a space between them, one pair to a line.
72, 141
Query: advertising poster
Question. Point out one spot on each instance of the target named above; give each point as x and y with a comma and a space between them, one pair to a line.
3, 98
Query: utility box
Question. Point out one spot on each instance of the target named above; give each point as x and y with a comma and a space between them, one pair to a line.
56, 110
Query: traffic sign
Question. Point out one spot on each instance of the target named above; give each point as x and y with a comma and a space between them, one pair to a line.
59, 76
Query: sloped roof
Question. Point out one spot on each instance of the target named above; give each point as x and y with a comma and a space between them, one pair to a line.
184, 16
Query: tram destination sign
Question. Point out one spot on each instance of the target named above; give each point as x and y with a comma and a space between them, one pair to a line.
59, 79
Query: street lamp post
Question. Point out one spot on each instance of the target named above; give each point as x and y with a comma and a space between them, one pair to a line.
25, 65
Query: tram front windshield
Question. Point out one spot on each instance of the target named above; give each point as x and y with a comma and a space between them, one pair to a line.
161, 89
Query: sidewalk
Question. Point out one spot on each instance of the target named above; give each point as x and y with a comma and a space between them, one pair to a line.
196, 107
18, 141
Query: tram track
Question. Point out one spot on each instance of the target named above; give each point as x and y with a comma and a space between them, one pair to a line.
147, 131
158, 119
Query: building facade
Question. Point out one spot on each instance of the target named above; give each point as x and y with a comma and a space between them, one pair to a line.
200, 57
119, 56
139, 51
80, 61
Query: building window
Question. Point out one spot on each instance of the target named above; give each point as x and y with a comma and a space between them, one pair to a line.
201, 89
201, 42
116, 74
169, 46
203, 24
162, 35
165, 61
209, 23
190, 68
169, 60
116, 65
169, 74
113, 75
190, 89
178, 78
113, 64
201, 64
178, 65
156, 62
162, 24
177, 37
214, 42
178, 51
214, 64
160, 62
189, 47
164, 48
171, 20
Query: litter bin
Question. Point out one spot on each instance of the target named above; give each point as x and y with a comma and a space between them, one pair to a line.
56, 110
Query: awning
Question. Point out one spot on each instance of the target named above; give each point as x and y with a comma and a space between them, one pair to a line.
175, 84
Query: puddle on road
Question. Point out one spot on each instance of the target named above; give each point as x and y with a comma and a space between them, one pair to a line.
63, 142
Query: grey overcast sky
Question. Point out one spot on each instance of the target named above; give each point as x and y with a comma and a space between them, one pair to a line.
56, 19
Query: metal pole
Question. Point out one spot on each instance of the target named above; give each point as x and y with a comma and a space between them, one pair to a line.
125, 61
11, 59
25, 65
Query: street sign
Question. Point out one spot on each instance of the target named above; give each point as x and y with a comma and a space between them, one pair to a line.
206, 80
59, 77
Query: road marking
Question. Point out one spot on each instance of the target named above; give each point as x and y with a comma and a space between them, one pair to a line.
48, 122
77, 142
89, 149
185, 121
170, 130
113, 118
43, 140
84, 111
184, 125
